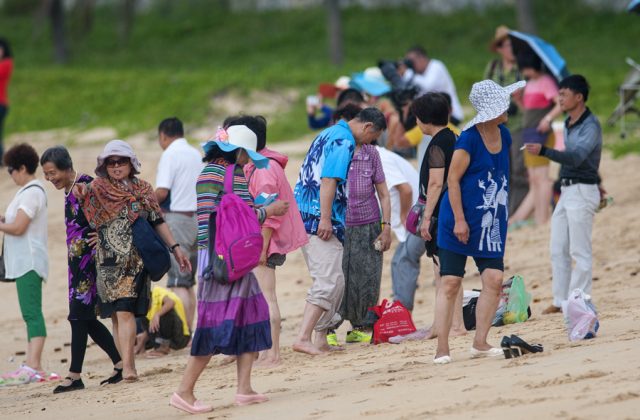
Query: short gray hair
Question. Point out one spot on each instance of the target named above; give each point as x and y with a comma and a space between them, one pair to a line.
59, 156
374, 116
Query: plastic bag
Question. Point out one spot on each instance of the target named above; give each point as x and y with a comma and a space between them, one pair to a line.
580, 316
517, 303
394, 319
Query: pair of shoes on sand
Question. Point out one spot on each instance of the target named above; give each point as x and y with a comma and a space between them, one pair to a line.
515, 346
199, 407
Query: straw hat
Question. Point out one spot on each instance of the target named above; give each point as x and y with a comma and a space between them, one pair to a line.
502, 32
490, 100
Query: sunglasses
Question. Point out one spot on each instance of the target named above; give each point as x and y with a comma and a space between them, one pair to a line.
112, 163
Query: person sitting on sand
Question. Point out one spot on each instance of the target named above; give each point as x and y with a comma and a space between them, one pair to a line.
165, 327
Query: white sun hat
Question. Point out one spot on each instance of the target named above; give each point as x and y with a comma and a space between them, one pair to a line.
490, 100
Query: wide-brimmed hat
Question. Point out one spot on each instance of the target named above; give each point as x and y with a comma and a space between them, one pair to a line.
238, 136
502, 33
370, 81
490, 100
117, 148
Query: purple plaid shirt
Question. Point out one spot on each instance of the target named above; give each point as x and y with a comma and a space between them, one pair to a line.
365, 172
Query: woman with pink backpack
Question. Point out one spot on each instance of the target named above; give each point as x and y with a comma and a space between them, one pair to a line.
281, 234
233, 316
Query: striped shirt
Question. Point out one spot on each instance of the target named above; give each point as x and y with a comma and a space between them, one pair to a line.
208, 188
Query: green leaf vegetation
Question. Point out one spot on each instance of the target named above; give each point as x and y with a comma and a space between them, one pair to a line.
184, 55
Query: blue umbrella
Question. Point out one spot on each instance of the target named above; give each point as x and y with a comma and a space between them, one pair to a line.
634, 6
547, 52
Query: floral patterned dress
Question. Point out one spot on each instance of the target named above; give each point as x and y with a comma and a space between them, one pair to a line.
81, 257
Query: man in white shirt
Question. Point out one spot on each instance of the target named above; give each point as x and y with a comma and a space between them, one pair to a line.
403, 183
431, 75
178, 171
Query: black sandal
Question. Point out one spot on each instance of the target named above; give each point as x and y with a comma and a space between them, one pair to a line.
524, 346
115, 378
73, 386
509, 352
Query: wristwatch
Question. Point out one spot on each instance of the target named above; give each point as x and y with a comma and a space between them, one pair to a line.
173, 247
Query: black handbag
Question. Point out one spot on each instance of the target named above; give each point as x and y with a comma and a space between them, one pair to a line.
3, 271
152, 249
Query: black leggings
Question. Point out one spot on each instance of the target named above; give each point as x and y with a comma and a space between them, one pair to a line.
100, 334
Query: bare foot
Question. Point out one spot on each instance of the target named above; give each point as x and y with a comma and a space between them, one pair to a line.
308, 348
327, 348
155, 354
267, 363
457, 332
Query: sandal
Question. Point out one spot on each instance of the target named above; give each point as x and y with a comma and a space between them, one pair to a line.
113, 379
73, 386
23, 375
524, 346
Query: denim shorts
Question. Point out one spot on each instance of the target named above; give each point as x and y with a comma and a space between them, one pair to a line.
452, 264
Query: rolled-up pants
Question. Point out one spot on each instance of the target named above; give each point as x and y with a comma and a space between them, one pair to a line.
324, 260
571, 227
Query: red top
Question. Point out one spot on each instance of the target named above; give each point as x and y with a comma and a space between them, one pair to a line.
6, 67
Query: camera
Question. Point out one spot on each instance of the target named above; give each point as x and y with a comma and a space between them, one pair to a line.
402, 91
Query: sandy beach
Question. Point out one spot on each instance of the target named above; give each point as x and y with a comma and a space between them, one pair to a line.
590, 379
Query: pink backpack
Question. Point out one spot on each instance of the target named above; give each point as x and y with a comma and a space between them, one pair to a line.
235, 240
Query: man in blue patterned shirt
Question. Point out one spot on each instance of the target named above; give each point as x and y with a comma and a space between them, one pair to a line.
322, 199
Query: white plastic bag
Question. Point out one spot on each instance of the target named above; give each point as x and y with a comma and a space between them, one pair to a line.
580, 316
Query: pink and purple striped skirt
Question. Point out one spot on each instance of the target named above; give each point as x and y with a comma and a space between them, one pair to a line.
232, 319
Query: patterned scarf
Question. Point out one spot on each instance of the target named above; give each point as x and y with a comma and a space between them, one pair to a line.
105, 200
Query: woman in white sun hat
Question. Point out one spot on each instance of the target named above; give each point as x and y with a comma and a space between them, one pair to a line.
233, 319
474, 213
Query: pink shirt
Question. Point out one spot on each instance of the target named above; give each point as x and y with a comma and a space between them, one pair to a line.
288, 230
539, 93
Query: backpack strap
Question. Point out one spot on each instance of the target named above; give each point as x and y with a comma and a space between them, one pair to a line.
228, 178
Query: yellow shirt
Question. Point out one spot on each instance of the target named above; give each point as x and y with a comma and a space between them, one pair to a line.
414, 136
157, 296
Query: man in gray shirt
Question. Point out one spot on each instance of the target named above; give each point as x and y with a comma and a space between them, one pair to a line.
572, 220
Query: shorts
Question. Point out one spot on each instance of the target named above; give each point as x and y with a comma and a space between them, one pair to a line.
276, 260
185, 231
452, 264
533, 161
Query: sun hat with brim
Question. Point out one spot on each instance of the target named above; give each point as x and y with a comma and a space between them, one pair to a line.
238, 137
490, 100
370, 82
118, 148
502, 33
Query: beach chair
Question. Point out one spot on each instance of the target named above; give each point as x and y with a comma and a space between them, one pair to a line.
629, 92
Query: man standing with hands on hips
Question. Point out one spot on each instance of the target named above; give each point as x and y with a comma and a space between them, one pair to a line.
572, 220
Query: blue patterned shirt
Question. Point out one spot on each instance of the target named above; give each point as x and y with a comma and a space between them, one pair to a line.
328, 157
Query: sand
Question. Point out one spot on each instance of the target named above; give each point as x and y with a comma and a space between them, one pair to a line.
588, 379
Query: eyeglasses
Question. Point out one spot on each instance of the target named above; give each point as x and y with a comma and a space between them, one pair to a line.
10, 170
112, 163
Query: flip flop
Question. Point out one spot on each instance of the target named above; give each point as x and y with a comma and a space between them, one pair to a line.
196, 408
526, 347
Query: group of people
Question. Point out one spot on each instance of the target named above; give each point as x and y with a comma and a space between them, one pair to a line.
351, 192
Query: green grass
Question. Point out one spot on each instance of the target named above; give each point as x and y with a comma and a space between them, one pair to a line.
175, 64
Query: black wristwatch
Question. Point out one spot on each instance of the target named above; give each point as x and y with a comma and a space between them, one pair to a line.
173, 247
